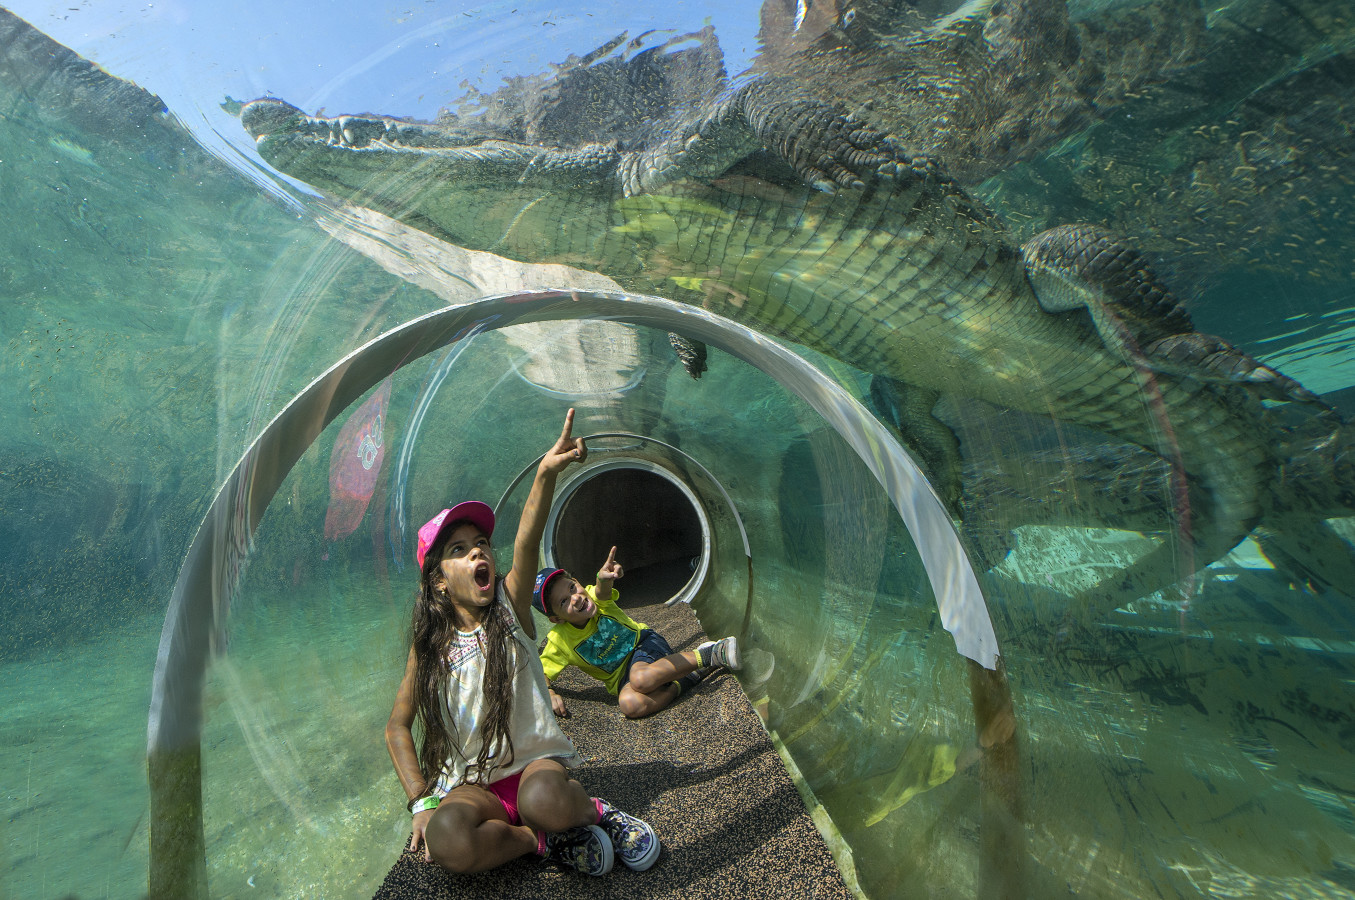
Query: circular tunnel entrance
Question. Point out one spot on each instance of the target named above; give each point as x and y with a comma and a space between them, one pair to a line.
659, 529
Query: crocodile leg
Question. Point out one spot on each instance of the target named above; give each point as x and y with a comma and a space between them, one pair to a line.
1074, 267
909, 410
692, 354
1309, 551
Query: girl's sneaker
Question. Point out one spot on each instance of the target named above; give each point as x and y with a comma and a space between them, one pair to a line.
720, 653
632, 839
586, 849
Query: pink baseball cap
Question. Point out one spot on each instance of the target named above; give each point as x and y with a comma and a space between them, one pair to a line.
472, 511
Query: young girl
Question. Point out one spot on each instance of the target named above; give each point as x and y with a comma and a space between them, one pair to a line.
489, 782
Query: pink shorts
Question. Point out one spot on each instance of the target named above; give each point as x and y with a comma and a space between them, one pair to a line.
506, 789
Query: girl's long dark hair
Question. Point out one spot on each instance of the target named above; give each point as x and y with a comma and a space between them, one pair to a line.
432, 634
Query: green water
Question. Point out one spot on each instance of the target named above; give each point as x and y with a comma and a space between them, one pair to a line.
158, 309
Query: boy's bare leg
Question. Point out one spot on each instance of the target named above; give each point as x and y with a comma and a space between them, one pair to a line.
469, 832
649, 677
635, 705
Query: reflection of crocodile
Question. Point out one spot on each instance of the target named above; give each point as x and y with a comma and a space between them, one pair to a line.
780, 210
1241, 162
1220, 139
990, 84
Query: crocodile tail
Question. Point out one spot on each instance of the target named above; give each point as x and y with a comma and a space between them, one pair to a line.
1201, 396
1220, 468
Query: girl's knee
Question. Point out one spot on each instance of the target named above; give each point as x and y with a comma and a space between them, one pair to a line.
550, 801
539, 797
449, 844
456, 862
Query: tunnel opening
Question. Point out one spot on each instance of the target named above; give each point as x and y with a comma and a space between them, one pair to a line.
660, 531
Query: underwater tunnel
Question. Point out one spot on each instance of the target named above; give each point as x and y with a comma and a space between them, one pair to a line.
659, 505
1043, 596
662, 523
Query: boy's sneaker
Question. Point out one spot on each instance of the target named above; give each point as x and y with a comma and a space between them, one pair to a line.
632, 839
586, 849
720, 653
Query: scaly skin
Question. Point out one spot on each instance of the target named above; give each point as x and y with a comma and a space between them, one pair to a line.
897, 272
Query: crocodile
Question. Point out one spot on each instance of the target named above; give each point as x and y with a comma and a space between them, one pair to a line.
779, 209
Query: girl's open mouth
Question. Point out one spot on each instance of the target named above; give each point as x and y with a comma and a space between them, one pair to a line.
484, 578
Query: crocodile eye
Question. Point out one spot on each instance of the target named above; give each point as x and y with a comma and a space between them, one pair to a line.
848, 17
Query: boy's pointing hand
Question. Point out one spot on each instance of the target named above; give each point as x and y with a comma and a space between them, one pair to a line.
611, 570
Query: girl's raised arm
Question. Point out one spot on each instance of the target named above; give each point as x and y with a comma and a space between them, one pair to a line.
567, 449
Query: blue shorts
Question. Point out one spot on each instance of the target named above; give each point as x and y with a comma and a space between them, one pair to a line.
651, 648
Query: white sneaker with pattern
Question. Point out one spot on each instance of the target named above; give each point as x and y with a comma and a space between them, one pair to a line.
633, 841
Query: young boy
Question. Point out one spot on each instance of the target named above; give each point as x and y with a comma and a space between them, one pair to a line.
630, 658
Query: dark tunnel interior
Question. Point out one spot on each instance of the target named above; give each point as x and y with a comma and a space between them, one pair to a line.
655, 528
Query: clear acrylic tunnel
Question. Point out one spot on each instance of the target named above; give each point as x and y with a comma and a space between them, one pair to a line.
227, 404
784, 514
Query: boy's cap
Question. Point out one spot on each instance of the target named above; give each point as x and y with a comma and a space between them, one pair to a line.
543, 580
472, 511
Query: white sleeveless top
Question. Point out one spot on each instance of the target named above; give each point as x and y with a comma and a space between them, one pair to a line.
535, 732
